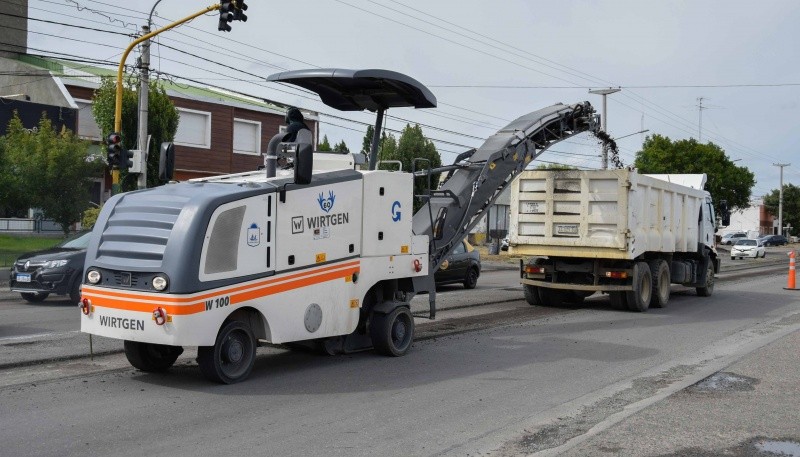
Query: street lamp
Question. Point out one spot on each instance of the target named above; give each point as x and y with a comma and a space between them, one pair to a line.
603, 120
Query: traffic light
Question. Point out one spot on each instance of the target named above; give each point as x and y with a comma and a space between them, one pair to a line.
226, 13
238, 12
114, 149
125, 159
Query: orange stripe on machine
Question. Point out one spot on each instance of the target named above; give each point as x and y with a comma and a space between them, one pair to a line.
144, 301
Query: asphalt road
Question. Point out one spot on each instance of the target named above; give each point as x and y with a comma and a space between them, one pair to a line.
496, 390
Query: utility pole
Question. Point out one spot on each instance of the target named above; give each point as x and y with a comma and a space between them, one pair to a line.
603, 119
780, 198
700, 109
144, 93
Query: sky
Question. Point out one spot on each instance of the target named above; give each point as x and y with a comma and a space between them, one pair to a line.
491, 62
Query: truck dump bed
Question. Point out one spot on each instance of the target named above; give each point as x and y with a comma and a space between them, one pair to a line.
615, 214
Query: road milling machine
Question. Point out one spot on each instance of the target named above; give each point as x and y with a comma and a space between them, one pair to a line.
312, 250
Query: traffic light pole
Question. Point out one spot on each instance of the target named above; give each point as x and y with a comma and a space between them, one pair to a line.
120, 70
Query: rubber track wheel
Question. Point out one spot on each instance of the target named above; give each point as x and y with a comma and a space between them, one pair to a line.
659, 270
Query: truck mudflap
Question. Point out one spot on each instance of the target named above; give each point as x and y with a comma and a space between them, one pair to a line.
568, 286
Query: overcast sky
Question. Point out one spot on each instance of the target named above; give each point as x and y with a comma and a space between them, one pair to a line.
552, 51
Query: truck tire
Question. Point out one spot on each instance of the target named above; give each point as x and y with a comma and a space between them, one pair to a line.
532, 295
619, 300
232, 356
659, 270
393, 333
151, 358
639, 298
551, 297
708, 288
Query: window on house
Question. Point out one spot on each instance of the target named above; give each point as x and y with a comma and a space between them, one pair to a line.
194, 128
87, 127
246, 137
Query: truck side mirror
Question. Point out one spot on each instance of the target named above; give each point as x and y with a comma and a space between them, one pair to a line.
166, 162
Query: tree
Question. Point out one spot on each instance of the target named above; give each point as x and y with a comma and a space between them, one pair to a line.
325, 146
726, 181
341, 147
162, 121
413, 145
791, 205
54, 169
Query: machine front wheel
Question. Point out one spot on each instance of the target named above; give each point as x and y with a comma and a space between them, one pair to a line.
231, 358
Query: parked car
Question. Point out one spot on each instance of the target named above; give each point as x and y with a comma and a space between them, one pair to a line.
732, 238
774, 240
748, 248
57, 270
463, 265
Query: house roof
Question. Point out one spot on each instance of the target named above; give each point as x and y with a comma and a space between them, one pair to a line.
83, 75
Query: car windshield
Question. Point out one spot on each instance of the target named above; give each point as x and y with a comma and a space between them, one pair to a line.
746, 243
79, 241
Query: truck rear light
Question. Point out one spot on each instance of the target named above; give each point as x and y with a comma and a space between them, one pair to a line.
617, 274
531, 269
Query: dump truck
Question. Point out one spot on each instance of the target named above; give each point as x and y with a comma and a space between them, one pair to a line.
619, 232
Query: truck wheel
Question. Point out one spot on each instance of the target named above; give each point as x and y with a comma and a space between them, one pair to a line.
393, 333
639, 298
151, 358
659, 270
231, 358
619, 300
34, 297
532, 295
708, 288
551, 297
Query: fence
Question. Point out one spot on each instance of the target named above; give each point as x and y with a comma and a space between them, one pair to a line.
19, 225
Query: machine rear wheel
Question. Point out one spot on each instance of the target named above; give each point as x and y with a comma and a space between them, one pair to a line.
232, 356
393, 333
151, 358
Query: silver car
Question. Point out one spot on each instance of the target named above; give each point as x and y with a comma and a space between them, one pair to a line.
748, 248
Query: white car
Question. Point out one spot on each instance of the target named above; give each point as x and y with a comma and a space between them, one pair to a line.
748, 248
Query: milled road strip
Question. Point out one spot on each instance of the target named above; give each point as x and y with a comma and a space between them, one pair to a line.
591, 414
